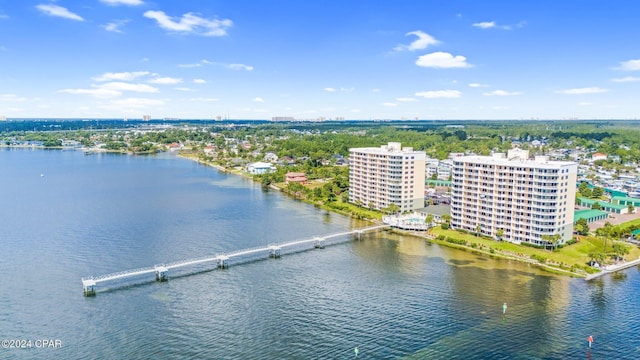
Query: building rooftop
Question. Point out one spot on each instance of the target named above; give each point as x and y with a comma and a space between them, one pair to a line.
436, 209
587, 214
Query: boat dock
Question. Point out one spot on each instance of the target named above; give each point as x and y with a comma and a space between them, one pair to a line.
612, 269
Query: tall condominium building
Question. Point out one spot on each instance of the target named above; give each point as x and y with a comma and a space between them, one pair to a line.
387, 175
513, 197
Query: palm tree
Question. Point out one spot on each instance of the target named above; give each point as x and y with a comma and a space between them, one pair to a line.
429, 219
620, 250
597, 256
499, 234
478, 229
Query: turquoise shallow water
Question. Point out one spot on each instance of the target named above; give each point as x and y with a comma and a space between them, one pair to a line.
392, 296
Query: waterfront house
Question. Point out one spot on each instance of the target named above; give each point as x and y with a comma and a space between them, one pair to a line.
259, 168
296, 177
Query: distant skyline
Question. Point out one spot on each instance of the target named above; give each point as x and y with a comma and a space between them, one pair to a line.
308, 59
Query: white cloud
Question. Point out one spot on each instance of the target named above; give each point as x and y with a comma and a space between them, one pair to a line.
442, 60
493, 25
485, 24
184, 89
356, 110
58, 11
97, 92
439, 94
123, 86
390, 104
199, 81
375, 90
501, 93
240, 67
165, 81
258, 99
630, 65
123, 2
137, 102
476, 85
191, 23
115, 26
190, 65
121, 76
406, 99
4, 16
201, 99
627, 79
581, 91
423, 41
584, 103
11, 98
342, 89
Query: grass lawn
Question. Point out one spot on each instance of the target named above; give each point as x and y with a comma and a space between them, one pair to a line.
574, 256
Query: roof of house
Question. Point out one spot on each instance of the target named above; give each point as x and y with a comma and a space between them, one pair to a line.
587, 214
436, 209
625, 198
602, 203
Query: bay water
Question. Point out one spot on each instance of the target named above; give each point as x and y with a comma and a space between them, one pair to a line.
65, 215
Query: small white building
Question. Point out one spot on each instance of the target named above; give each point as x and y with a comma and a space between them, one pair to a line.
259, 168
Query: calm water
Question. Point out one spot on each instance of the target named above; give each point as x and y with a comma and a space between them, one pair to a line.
390, 296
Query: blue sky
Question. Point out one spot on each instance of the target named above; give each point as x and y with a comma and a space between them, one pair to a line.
381, 59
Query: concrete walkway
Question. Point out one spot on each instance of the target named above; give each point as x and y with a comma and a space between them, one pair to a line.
613, 268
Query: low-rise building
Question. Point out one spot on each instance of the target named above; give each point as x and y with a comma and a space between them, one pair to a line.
295, 177
259, 168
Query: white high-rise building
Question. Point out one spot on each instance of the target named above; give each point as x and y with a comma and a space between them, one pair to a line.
387, 175
522, 198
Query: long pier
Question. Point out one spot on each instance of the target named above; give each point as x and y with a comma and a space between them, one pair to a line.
161, 271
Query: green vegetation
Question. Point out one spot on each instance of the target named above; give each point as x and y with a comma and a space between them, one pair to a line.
318, 151
574, 258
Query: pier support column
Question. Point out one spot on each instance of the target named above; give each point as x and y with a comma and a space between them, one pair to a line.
223, 262
162, 273
88, 287
318, 243
359, 234
274, 252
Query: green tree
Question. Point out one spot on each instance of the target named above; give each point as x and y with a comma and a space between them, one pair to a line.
429, 219
584, 189
551, 240
620, 250
499, 234
581, 227
596, 206
478, 229
597, 192
392, 209
631, 209
597, 256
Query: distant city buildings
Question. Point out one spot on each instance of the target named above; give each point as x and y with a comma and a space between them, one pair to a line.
146, 117
513, 197
390, 174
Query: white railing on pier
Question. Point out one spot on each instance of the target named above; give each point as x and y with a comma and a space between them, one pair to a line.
92, 281
123, 274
